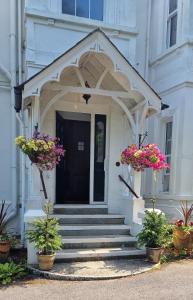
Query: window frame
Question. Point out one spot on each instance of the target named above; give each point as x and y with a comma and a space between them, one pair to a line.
170, 15
89, 11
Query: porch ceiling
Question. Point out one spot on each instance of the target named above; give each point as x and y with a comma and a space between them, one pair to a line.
98, 71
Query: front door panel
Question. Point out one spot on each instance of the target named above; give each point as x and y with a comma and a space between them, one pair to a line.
73, 173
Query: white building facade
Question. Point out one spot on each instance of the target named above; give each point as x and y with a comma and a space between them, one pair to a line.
120, 53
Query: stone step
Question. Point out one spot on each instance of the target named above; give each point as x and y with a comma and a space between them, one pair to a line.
90, 219
93, 230
109, 241
80, 209
98, 254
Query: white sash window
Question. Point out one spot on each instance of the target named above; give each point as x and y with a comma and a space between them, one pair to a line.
168, 152
172, 23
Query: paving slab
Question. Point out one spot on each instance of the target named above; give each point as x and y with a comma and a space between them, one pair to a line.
96, 270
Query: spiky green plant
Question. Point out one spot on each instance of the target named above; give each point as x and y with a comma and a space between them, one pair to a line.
3, 216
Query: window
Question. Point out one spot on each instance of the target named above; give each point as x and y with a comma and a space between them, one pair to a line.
90, 9
168, 151
172, 23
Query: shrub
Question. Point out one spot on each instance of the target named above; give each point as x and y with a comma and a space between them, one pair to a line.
10, 271
154, 231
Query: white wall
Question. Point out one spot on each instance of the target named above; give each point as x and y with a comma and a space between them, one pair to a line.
6, 121
44, 19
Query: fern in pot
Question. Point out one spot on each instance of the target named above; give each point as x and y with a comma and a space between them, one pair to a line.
44, 235
153, 235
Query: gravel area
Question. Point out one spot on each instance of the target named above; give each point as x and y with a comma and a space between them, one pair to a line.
98, 269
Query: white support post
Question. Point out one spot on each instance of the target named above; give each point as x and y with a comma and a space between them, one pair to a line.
34, 204
138, 204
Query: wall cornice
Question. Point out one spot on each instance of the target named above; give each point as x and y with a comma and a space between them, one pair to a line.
87, 23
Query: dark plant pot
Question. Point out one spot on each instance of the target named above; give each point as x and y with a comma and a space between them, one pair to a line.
153, 254
46, 262
182, 239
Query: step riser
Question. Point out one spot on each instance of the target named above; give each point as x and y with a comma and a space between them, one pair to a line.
98, 245
81, 211
92, 232
93, 221
97, 258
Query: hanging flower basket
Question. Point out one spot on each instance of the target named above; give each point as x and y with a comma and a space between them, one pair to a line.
148, 156
43, 150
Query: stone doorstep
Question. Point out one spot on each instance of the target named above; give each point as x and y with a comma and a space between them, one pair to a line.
98, 254
97, 270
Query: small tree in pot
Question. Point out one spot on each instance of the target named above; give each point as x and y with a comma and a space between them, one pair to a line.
44, 235
45, 152
153, 235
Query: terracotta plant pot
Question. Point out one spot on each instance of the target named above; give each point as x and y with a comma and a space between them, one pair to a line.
4, 249
5, 246
153, 254
182, 239
46, 262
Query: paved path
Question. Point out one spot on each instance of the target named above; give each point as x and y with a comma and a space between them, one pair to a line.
173, 281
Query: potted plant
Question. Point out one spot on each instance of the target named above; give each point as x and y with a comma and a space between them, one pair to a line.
5, 237
153, 234
44, 235
183, 229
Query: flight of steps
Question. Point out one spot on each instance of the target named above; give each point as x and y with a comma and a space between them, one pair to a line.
90, 233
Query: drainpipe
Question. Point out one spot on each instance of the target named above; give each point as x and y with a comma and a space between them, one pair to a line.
20, 118
12, 37
148, 41
19, 26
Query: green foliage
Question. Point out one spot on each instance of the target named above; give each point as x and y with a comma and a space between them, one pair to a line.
44, 233
10, 271
155, 230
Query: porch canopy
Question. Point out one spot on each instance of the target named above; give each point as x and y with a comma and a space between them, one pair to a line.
94, 66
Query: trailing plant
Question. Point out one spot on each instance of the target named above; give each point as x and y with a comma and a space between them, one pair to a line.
10, 271
154, 230
148, 156
44, 233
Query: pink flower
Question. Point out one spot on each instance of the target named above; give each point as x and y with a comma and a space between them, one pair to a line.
149, 156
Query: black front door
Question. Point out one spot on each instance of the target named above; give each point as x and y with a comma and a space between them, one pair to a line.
73, 172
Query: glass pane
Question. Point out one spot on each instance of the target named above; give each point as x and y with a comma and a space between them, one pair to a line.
169, 162
172, 5
100, 142
168, 130
100, 137
68, 7
166, 183
96, 9
168, 147
82, 8
173, 30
